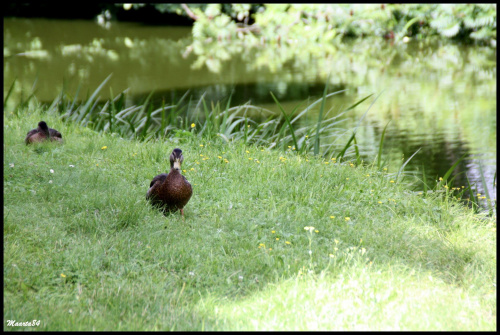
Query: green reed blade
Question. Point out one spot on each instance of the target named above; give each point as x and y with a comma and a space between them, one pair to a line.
424, 176
9, 93
472, 194
287, 119
450, 170
486, 192
320, 118
356, 150
404, 164
226, 112
85, 109
380, 146
358, 102
148, 108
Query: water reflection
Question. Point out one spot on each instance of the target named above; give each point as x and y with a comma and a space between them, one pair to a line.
437, 97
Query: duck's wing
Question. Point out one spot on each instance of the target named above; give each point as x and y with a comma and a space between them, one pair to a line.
34, 137
187, 182
54, 133
158, 180
29, 134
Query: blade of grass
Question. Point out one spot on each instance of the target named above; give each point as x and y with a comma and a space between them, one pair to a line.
320, 118
85, 109
287, 119
6, 99
380, 146
149, 108
486, 192
404, 164
226, 112
450, 170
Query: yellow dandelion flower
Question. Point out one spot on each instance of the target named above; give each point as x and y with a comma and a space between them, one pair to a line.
193, 125
316, 231
219, 157
286, 242
191, 169
273, 231
277, 238
201, 145
392, 181
63, 275
332, 217
336, 241
247, 151
347, 218
104, 148
440, 178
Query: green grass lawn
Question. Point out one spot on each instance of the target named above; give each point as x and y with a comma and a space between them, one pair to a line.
83, 250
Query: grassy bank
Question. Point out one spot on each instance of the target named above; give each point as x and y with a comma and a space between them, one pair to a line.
271, 241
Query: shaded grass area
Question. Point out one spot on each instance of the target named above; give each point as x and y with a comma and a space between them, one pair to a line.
85, 251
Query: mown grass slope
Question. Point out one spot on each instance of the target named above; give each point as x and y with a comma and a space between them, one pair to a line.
270, 241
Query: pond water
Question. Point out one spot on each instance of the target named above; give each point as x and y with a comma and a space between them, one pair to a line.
436, 97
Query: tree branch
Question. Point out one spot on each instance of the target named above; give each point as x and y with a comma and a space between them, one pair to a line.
189, 12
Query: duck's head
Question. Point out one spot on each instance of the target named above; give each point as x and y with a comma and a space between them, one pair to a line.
176, 159
43, 126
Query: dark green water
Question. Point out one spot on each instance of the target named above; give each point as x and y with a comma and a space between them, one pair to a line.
439, 98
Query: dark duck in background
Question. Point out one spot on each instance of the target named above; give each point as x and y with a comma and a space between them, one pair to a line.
42, 133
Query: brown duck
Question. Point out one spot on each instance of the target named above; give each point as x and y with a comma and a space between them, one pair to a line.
171, 191
42, 133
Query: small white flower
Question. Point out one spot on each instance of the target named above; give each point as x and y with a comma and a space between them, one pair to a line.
71, 165
51, 171
240, 278
11, 165
191, 273
50, 181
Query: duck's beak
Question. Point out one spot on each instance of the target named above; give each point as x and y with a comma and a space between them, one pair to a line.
177, 165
